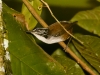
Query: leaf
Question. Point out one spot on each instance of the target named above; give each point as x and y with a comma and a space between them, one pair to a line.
27, 58
89, 20
71, 3
70, 66
37, 5
91, 50
98, 0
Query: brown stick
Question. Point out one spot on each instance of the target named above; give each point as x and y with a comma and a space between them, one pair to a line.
41, 21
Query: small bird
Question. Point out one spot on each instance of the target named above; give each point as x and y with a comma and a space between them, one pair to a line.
54, 33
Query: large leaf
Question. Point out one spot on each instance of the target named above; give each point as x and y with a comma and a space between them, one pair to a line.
89, 20
98, 0
70, 3
37, 5
90, 50
70, 65
27, 58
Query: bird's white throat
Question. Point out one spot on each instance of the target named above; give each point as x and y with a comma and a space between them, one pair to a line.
49, 40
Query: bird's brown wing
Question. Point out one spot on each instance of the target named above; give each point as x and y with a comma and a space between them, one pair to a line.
56, 30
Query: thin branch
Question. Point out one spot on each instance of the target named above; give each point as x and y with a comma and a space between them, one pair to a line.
41, 21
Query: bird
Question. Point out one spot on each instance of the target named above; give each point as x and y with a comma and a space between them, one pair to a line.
54, 33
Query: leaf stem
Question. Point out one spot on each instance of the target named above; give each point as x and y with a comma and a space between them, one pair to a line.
41, 21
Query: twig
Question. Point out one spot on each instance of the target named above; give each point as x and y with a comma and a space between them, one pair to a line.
60, 23
41, 21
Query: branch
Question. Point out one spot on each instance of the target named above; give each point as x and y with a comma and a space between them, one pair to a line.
41, 21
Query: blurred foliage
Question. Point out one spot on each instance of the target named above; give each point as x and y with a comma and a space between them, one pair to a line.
64, 7
98, 0
90, 51
70, 66
72, 3
89, 20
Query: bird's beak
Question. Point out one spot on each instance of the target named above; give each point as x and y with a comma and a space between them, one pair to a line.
75, 22
29, 32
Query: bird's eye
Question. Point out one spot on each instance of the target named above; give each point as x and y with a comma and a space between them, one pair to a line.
36, 29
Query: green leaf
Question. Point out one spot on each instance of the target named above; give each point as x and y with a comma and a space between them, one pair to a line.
37, 5
91, 50
70, 65
89, 20
98, 0
27, 58
71, 3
